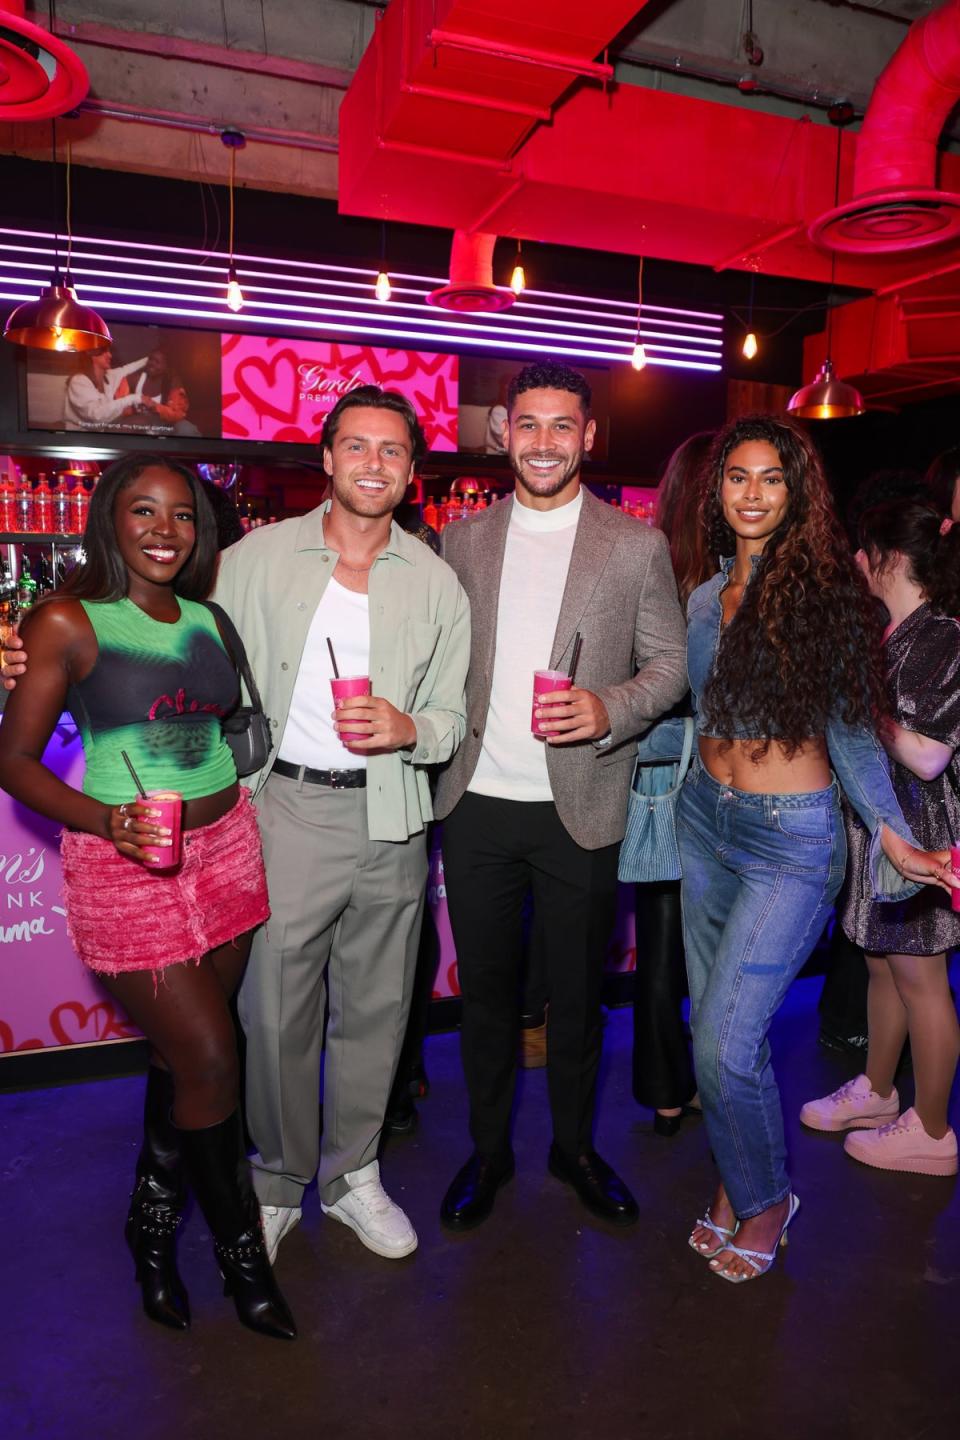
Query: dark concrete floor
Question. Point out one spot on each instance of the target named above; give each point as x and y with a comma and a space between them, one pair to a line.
542, 1323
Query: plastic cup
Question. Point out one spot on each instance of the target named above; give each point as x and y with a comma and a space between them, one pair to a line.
170, 805
343, 689
955, 867
543, 682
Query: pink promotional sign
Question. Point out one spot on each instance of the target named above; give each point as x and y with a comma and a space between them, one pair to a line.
47, 997
283, 390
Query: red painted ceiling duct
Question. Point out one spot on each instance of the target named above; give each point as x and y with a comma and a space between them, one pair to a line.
896, 204
471, 284
40, 76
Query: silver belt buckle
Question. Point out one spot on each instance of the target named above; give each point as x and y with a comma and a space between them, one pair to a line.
335, 783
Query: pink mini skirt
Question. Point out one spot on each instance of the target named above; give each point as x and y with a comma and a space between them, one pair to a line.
123, 916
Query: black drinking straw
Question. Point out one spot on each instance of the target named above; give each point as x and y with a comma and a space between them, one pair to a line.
577, 643
333, 659
136, 778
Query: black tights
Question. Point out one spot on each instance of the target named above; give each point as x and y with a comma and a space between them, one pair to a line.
185, 1015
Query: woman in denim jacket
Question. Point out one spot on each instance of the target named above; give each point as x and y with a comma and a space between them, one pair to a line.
785, 674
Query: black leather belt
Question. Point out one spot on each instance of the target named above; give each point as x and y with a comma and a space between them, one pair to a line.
333, 779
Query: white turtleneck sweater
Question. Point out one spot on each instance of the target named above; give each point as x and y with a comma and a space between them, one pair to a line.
513, 763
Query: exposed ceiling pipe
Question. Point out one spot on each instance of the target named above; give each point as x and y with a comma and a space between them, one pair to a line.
896, 205
471, 286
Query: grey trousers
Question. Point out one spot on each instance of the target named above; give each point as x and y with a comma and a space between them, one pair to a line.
345, 921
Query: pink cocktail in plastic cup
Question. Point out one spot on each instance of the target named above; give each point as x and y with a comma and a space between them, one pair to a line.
343, 689
955, 867
170, 805
544, 681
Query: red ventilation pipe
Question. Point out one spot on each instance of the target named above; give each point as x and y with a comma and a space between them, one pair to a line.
471, 284
30, 89
896, 204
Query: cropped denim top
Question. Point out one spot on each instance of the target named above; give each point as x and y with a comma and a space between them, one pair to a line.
856, 755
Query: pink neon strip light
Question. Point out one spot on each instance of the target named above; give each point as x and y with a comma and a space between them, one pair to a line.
251, 290
487, 341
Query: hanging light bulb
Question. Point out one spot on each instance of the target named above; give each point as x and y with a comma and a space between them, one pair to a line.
750, 346
234, 293
234, 140
383, 289
518, 280
638, 358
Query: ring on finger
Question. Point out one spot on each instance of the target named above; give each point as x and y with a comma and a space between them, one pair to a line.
127, 823
123, 810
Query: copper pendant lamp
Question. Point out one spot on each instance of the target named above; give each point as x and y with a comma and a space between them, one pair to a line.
827, 397
57, 320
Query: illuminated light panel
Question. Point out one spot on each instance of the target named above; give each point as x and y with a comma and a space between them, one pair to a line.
340, 299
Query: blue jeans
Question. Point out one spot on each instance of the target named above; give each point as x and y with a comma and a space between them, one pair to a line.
760, 873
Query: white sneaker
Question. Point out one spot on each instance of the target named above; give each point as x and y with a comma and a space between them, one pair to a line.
368, 1210
277, 1220
855, 1106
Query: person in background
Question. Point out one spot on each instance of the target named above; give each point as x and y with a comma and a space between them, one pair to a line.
784, 667
165, 390
225, 513
98, 396
910, 555
943, 478
843, 999
523, 813
663, 1078
124, 634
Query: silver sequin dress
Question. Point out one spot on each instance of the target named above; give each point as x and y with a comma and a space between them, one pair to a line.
923, 675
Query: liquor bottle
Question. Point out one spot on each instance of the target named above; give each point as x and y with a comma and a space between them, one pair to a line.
8, 601
24, 505
8, 507
61, 507
45, 583
430, 515
26, 585
79, 507
43, 506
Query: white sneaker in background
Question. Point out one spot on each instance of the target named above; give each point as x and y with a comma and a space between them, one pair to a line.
370, 1213
855, 1106
277, 1220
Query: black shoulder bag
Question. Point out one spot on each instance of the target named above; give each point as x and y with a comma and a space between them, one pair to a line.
246, 729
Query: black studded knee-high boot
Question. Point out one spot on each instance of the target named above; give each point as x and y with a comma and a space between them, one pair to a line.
220, 1173
156, 1207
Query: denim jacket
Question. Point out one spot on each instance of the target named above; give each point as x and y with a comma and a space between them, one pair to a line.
858, 759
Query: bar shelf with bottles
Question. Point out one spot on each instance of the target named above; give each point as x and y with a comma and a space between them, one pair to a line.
445, 501
41, 527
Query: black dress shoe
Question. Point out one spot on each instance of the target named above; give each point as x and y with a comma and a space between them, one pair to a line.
668, 1125
470, 1197
401, 1117
599, 1187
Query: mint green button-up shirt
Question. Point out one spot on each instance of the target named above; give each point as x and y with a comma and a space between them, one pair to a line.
271, 582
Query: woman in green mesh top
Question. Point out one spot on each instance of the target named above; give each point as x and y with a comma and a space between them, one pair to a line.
130, 649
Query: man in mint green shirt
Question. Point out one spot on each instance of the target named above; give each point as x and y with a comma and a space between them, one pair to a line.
343, 819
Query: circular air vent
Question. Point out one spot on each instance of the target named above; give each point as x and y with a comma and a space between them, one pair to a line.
40, 76
471, 298
885, 223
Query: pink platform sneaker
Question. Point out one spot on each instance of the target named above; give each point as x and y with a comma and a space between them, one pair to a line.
855, 1106
905, 1145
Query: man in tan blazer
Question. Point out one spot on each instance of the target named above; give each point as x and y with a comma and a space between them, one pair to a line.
547, 814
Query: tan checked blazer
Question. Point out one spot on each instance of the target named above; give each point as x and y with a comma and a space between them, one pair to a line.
622, 597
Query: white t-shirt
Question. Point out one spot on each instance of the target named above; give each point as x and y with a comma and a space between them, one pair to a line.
308, 736
513, 763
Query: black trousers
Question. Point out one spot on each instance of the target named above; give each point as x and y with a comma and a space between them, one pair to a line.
662, 1070
494, 852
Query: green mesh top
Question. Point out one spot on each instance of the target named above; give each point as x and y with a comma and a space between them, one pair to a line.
156, 691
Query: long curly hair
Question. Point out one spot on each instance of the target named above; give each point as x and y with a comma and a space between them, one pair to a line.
805, 643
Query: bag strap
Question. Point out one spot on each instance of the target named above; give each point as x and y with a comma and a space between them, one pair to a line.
689, 732
236, 651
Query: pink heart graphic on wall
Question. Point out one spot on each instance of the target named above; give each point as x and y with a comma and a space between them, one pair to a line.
283, 389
